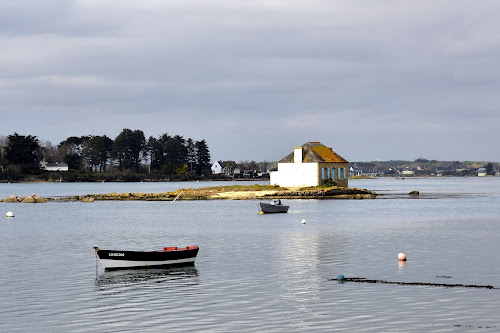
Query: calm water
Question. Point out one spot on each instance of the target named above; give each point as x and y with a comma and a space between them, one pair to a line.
254, 272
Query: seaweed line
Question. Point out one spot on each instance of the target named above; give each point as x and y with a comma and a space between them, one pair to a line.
447, 285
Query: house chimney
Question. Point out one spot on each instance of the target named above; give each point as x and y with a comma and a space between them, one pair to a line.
297, 155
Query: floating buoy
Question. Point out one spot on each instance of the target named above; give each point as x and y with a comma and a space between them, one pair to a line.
340, 277
9, 214
303, 221
261, 212
402, 257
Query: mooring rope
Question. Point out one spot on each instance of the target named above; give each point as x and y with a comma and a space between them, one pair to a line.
96, 260
177, 197
447, 285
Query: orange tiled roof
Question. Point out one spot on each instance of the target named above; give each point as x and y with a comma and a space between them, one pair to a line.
325, 153
314, 152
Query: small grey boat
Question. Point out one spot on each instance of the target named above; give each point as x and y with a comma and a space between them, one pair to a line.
274, 207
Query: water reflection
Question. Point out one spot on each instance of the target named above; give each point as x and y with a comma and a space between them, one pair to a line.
307, 259
306, 251
133, 276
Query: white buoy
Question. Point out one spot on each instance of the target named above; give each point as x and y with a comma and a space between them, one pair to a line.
303, 221
9, 214
402, 257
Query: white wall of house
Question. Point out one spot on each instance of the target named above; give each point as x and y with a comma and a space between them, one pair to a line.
216, 168
295, 175
53, 166
56, 168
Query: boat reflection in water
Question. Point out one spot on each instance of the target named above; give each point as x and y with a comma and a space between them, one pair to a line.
188, 275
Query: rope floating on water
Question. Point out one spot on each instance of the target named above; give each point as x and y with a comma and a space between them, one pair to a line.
447, 285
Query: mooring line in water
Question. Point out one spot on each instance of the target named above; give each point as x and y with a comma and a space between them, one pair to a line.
447, 285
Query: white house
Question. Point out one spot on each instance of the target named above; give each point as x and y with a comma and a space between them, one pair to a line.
53, 166
217, 167
225, 167
408, 172
312, 164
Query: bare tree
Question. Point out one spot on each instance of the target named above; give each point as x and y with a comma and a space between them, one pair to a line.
50, 152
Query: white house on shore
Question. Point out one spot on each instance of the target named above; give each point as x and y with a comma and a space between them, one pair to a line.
53, 166
227, 168
312, 164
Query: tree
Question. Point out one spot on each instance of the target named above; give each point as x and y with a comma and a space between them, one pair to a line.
23, 151
50, 152
157, 152
71, 151
129, 148
263, 166
191, 153
98, 151
3, 146
151, 146
489, 168
202, 157
176, 152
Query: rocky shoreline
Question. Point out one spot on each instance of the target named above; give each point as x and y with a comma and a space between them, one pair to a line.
215, 193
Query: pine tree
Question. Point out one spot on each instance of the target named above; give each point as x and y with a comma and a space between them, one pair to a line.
202, 157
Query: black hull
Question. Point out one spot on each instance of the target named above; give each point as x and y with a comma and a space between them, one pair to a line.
114, 260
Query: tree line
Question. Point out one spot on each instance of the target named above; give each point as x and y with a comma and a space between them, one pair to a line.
130, 151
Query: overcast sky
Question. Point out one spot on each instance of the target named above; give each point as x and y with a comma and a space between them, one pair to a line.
386, 80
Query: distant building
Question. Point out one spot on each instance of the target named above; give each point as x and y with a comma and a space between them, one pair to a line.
481, 172
53, 166
354, 171
312, 164
408, 172
444, 171
227, 168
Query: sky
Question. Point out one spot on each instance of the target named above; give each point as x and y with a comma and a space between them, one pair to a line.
373, 80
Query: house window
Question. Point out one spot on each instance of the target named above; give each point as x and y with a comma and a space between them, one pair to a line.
342, 173
324, 173
333, 173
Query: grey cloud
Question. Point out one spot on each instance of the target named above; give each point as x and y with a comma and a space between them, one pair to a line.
241, 75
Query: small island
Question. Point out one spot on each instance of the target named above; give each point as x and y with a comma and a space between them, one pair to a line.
241, 192
234, 192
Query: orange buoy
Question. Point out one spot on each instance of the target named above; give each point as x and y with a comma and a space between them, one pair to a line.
402, 257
